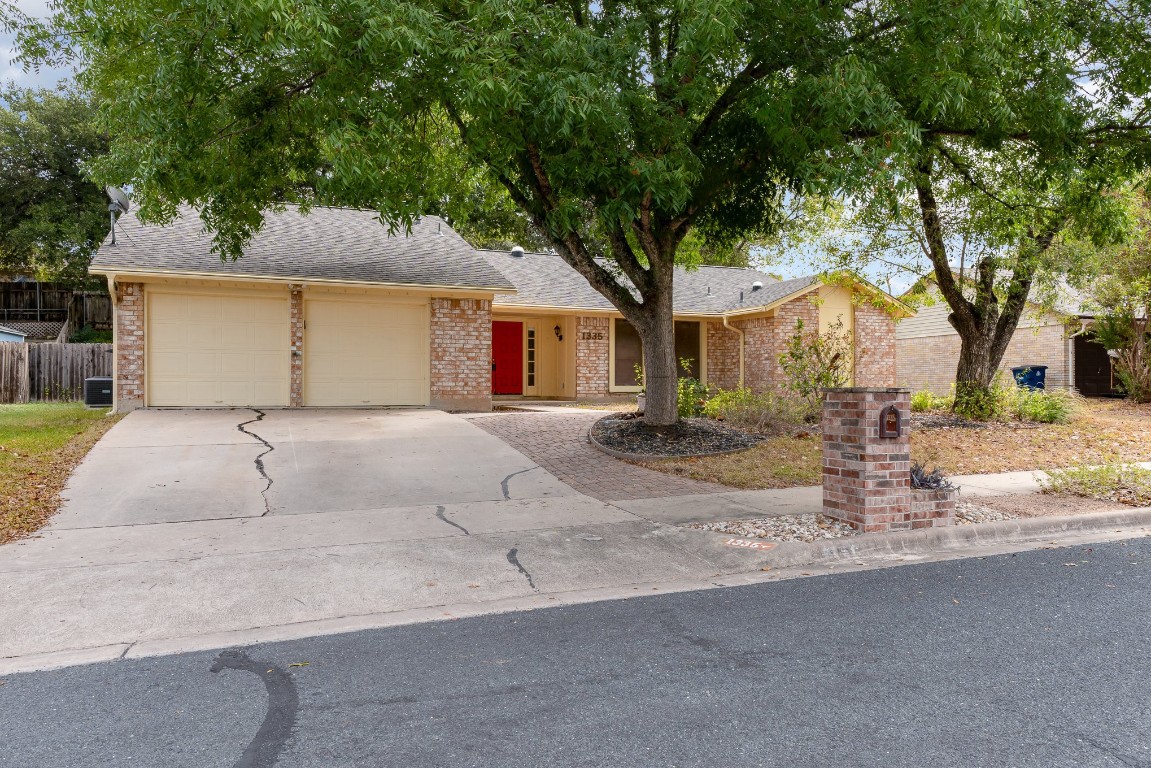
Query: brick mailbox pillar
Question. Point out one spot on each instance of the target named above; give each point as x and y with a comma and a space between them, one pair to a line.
866, 465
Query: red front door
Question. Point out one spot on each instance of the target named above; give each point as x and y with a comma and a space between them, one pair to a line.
507, 358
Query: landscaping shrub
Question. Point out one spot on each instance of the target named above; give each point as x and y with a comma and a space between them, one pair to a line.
1046, 406
814, 362
692, 397
926, 400
977, 403
1124, 483
765, 412
923, 480
691, 393
89, 335
922, 401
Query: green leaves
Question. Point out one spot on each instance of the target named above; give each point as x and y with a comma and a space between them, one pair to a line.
51, 215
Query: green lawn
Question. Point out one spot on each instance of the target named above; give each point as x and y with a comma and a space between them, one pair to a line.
40, 443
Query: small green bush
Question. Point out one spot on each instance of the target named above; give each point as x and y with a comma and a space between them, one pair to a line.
1123, 483
926, 400
1044, 406
691, 397
978, 403
813, 362
765, 412
89, 335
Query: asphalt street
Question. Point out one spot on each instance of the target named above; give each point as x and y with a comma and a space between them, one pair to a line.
1035, 659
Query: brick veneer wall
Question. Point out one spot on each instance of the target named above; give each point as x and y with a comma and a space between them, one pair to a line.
296, 311
592, 356
722, 356
929, 362
875, 347
129, 339
461, 354
765, 338
866, 478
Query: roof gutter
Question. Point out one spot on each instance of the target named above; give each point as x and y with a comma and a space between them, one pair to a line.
113, 272
731, 327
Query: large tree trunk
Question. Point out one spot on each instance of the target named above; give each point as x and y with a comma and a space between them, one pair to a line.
979, 359
656, 331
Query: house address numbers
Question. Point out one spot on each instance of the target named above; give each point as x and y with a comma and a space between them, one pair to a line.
592, 335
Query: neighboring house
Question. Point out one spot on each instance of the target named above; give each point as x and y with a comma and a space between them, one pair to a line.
36, 331
11, 334
329, 309
1057, 338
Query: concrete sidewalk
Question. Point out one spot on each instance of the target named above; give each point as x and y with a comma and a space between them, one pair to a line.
735, 505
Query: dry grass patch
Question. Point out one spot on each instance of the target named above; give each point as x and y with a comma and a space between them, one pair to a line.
40, 444
1101, 432
778, 462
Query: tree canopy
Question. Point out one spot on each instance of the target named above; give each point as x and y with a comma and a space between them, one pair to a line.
52, 216
618, 128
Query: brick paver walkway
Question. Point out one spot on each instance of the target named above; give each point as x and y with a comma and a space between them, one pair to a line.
558, 443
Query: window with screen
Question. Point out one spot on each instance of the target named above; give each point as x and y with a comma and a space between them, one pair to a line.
629, 351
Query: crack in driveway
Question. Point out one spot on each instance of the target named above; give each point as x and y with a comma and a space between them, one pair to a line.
283, 703
440, 510
513, 558
504, 482
260, 458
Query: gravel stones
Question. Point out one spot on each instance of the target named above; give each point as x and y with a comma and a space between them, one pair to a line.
688, 437
968, 513
806, 528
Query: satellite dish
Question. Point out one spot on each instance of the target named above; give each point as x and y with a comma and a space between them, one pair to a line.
119, 200
118, 206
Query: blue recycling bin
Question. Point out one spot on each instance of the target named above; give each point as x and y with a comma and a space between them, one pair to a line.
1030, 376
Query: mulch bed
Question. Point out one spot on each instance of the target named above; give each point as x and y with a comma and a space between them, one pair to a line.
626, 433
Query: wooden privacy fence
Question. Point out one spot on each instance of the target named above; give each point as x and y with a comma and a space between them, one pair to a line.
30, 372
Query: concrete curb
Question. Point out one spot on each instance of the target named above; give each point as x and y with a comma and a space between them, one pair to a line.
648, 456
932, 540
787, 560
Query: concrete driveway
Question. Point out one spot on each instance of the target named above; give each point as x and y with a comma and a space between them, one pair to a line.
202, 529
178, 466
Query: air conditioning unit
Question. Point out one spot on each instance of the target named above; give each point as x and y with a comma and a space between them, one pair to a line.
98, 392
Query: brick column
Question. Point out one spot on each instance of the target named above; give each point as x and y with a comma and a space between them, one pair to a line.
297, 362
593, 348
461, 354
866, 478
129, 339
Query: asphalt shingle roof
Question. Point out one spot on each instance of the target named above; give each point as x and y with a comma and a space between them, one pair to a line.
340, 244
546, 280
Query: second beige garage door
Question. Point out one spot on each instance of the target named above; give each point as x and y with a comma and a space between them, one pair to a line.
365, 352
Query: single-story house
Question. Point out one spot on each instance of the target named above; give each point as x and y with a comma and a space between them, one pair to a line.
328, 309
11, 334
1057, 337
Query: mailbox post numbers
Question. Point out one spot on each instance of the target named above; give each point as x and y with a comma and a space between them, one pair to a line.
867, 457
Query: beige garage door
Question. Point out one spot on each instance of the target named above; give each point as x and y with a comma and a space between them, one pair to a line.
207, 349
365, 352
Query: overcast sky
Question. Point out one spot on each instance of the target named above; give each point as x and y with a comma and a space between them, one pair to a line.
11, 71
